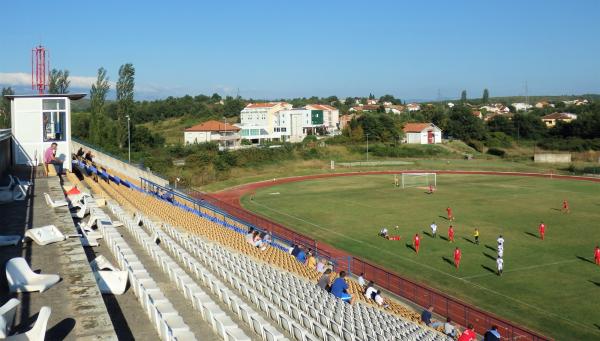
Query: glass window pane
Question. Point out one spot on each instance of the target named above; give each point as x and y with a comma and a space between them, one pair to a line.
54, 126
53, 104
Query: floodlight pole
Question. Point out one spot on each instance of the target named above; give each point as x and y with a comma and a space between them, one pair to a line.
129, 137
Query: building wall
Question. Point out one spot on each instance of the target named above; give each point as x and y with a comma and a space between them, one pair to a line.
118, 165
5, 154
552, 157
421, 138
196, 137
28, 132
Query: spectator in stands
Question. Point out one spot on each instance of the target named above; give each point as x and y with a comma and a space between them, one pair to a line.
257, 241
88, 156
379, 299
370, 291
250, 236
268, 238
80, 152
339, 288
301, 256
51, 159
426, 318
492, 334
295, 249
449, 328
323, 282
361, 280
468, 334
321, 265
311, 261
265, 240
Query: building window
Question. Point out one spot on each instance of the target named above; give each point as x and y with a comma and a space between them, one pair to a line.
54, 120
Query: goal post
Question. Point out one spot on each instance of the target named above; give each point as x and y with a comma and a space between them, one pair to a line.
419, 180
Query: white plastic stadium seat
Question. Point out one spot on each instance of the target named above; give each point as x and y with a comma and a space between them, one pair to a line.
38, 332
22, 279
7, 316
55, 204
101, 263
9, 240
45, 235
111, 282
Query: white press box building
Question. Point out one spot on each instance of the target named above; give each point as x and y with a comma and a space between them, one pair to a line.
37, 121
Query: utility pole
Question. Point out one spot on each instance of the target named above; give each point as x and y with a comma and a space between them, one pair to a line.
129, 137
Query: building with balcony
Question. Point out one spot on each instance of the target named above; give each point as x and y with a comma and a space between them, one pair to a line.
224, 134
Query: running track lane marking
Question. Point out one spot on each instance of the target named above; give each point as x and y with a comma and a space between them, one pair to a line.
574, 323
521, 269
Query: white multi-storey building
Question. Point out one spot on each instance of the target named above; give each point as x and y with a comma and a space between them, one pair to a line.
278, 121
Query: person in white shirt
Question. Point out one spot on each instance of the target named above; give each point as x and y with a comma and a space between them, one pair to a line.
500, 263
379, 299
500, 241
433, 227
449, 328
370, 291
361, 280
500, 251
384, 232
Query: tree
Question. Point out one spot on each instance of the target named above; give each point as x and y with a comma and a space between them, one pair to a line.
486, 96
232, 106
5, 107
53, 79
390, 98
215, 97
371, 96
97, 100
125, 104
462, 124
463, 96
58, 81
64, 82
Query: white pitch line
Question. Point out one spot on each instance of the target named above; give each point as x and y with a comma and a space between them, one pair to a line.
521, 269
574, 323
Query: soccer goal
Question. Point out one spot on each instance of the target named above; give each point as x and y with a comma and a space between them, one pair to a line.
419, 180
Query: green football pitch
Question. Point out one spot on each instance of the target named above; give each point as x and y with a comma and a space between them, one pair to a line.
551, 286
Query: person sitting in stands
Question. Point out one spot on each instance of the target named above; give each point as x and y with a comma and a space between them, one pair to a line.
426, 318
301, 256
361, 280
492, 334
88, 156
250, 236
311, 261
339, 288
266, 240
50, 158
379, 299
449, 328
468, 334
295, 249
323, 282
80, 152
370, 291
321, 265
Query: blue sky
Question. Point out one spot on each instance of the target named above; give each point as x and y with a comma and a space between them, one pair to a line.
272, 49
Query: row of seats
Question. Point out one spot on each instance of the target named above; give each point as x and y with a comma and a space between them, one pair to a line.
191, 222
317, 310
165, 319
209, 310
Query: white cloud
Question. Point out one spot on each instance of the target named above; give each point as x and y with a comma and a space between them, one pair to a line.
22, 78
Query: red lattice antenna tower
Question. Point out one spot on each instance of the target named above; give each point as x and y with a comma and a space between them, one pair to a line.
39, 69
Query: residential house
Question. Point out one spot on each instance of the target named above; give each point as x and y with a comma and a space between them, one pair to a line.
422, 133
551, 119
365, 107
544, 104
345, 119
450, 105
394, 109
498, 114
522, 106
477, 114
371, 102
413, 107
222, 133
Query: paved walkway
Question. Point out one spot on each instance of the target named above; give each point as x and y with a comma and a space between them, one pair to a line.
78, 311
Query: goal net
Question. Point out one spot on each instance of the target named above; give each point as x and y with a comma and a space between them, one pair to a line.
419, 180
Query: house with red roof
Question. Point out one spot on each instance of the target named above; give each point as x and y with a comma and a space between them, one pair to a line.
222, 133
551, 119
422, 133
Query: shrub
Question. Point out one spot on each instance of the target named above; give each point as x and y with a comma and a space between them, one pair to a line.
497, 152
477, 145
498, 139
